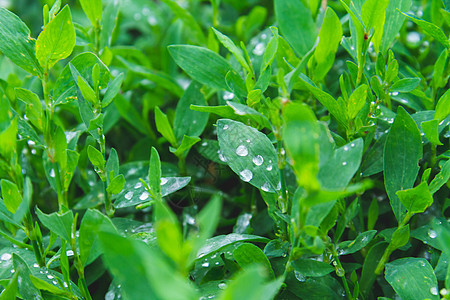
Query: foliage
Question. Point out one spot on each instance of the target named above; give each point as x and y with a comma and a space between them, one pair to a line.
225, 149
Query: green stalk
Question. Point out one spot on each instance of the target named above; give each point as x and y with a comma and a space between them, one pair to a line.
338, 265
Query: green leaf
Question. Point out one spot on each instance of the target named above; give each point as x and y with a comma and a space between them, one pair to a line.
405, 85
250, 154
57, 40
441, 178
371, 260
271, 50
373, 13
61, 224
112, 90
34, 110
93, 10
214, 244
186, 144
421, 283
92, 224
17, 44
202, 65
301, 138
116, 185
311, 268
27, 199
443, 107
11, 289
287, 13
330, 36
96, 157
393, 22
402, 152
87, 91
431, 130
248, 254
326, 100
164, 127
400, 237
357, 101
228, 43
358, 36
11, 195
430, 29
26, 289
362, 240
65, 89
154, 172
187, 121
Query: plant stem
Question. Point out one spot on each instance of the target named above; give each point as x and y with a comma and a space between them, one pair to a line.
342, 275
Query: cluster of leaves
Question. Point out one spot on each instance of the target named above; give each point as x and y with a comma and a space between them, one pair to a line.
304, 160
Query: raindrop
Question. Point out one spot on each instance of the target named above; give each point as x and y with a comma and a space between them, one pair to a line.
413, 37
394, 93
50, 277
205, 264
278, 186
340, 272
225, 127
344, 163
69, 252
228, 96
242, 150
265, 187
138, 185
52, 173
282, 151
217, 263
299, 276
163, 181
222, 157
432, 234
65, 284
129, 195
247, 140
54, 282
345, 148
204, 144
258, 160
269, 168
143, 196
222, 285
434, 290
352, 145
5, 256
246, 175
259, 49
35, 265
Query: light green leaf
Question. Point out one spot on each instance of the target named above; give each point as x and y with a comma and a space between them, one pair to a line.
164, 127
92, 223
442, 110
11, 195
330, 36
112, 90
349, 247
373, 14
357, 100
87, 91
248, 254
441, 178
228, 43
202, 65
57, 40
116, 185
187, 121
93, 10
96, 157
250, 154
154, 173
405, 85
402, 152
34, 110
417, 199
186, 144
393, 22
17, 44
431, 130
431, 29
421, 283
287, 13
61, 224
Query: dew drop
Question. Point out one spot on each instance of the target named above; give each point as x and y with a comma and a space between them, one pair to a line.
340, 272
247, 140
259, 49
55, 282
344, 163
143, 196
129, 195
69, 252
265, 187
35, 266
65, 284
163, 181
432, 233
222, 157
225, 127
258, 160
6, 256
299, 276
205, 264
434, 290
246, 175
222, 285
50, 277
138, 185
345, 148
228, 96
217, 263
52, 173
241, 150
269, 168
352, 145
204, 144
278, 186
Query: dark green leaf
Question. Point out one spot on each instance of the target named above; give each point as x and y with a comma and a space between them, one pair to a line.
248, 254
402, 153
216, 243
112, 90
61, 224
311, 268
164, 127
349, 247
430, 29
96, 157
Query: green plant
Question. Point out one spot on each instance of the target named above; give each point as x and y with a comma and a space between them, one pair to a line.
146, 154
